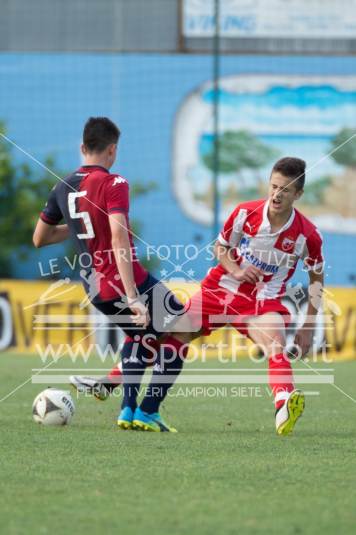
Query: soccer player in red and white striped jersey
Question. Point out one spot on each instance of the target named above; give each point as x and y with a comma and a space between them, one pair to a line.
258, 251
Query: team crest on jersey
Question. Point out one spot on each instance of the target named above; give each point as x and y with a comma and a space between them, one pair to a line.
288, 244
118, 180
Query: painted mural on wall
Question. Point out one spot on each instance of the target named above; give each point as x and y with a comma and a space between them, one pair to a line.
262, 118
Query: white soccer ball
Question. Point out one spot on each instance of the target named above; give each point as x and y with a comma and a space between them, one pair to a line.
53, 407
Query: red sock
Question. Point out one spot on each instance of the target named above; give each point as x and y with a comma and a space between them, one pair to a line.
115, 374
280, 378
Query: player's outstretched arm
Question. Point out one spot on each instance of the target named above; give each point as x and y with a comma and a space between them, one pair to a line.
45, 234
304, 336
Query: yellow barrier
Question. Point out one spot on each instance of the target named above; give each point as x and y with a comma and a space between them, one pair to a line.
340, 336
23, 302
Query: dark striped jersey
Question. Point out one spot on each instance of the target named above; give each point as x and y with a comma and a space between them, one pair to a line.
84, 200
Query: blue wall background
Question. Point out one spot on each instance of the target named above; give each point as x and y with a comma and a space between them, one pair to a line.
46, 98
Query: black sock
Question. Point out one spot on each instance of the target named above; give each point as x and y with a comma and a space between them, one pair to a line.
133, 368
165, 371
110, 387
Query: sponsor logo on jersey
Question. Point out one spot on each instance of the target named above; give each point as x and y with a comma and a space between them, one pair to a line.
244, 245
245, 251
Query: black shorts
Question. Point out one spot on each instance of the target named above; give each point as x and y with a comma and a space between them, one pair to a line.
163, 306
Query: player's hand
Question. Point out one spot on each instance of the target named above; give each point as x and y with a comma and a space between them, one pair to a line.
140, 315
249, 274
304, 338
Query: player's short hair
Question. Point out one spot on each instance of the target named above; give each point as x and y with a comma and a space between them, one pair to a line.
293, 168
99, 133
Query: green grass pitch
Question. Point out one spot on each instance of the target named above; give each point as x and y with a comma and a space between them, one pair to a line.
225, 472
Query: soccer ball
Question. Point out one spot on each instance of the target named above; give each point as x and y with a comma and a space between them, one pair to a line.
53, 407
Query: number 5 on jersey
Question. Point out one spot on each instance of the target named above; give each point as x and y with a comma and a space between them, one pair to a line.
80, 215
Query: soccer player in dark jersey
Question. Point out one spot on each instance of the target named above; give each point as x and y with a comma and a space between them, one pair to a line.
94, 205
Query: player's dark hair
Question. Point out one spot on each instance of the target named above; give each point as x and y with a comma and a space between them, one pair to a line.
99, 133
293, 168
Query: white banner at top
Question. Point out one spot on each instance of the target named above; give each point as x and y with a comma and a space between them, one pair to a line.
272, 18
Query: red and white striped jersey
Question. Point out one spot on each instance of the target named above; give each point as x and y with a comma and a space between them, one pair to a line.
248, 232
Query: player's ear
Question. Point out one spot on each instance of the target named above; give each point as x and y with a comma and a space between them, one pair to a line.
83, 149
298, 194
112, 148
